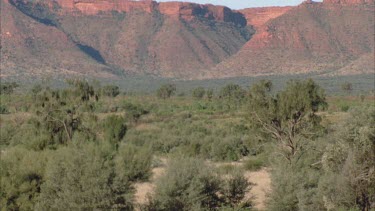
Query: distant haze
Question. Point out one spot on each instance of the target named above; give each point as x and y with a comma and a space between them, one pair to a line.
240, 4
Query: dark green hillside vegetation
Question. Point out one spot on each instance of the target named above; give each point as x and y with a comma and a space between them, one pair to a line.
87, 146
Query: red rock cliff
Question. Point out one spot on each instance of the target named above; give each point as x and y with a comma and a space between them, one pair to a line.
259, 16
188, 11
183, 10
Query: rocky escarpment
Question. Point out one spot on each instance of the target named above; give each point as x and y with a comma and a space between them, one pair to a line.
311, 37
188, 11
169, 39
184, 10
185, 40
257, 17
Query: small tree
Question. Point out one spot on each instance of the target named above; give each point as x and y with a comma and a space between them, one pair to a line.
37, 88
233, 95
134, 111
348, 163
210, 94
347, 87
235, 188
114, 129
166, 91
290, 116
198, 93
110, 91
82, 89
362, 97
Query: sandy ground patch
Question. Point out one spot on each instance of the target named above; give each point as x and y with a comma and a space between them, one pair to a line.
262, 186
145, 188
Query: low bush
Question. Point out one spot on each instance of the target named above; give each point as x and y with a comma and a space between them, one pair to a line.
134, 163
190, 184
114, 129
253, 164
4, 109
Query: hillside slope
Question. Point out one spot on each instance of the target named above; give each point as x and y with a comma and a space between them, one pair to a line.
106, 39
311, 37
32, 49
166, 39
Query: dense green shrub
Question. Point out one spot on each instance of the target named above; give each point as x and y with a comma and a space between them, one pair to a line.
7, 88
114, 129
134, 111
336, 174
110, 91
210, 94
22, 173
349, 163
198, 92
4, 109
234, 190
232, 92
84, 177
166, 91
133, 163
188, 184
345, 108
253, 164
228, 149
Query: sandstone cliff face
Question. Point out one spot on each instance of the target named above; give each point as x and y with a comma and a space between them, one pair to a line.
183, 40
257, 17
188, 11
167, 39
184, 10
310, 37
157, 44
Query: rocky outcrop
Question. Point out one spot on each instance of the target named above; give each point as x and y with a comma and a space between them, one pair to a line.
189, 11
259, 16
184, 10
